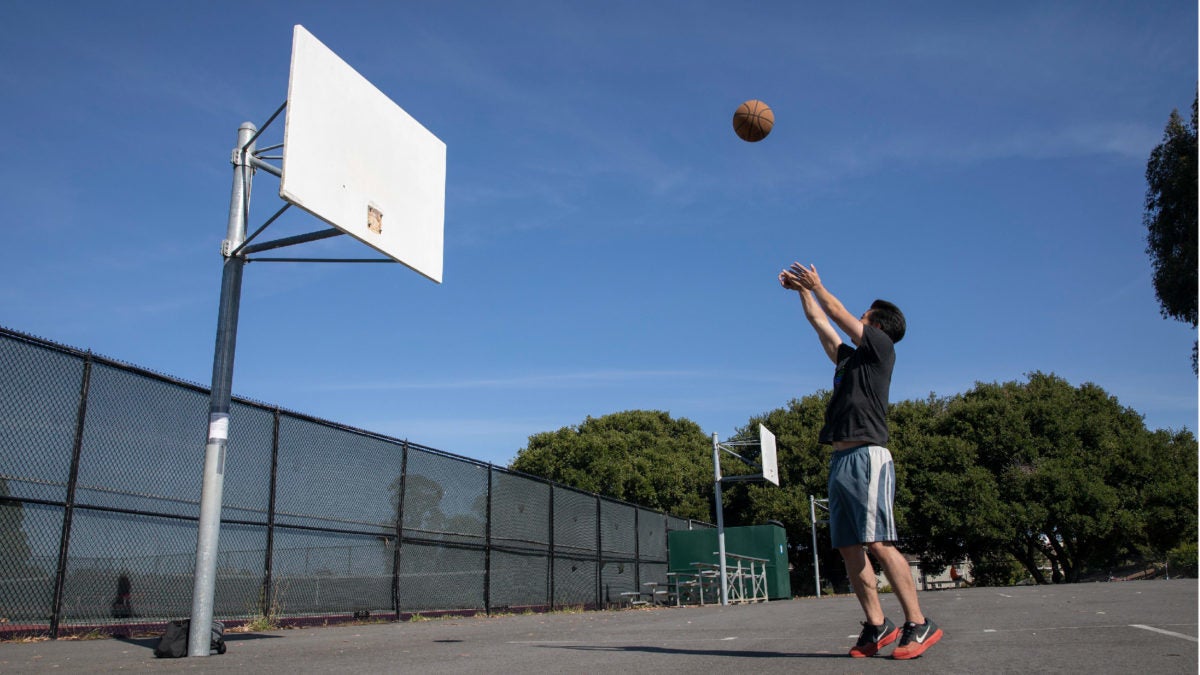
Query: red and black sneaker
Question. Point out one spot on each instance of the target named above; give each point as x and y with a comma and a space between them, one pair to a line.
874, 638
916, 639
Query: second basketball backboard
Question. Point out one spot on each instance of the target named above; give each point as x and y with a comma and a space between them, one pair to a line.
358, 161
770, 466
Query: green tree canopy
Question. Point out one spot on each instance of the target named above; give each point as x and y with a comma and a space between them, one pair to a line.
1170, 220
640, 456
949, 503
1043, 471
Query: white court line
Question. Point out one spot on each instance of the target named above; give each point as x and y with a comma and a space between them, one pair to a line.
1164, 632
1047, 629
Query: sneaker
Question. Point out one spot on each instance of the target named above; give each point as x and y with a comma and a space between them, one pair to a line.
916, 639
874, 638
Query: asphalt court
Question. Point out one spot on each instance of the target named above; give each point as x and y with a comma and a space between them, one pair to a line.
1117, 627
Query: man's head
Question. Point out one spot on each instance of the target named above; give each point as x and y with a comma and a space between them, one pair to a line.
888, 318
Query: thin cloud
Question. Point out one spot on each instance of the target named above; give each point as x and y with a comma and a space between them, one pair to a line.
573, 380
558, 380
1085, 140
1123, 141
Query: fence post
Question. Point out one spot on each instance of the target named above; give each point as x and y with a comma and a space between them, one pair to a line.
268, 564
599, 557
487, 549
399, 530
64, 541
550, 565
637, 548
666, 525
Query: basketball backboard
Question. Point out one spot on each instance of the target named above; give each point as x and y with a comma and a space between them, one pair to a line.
358, 161
770, 467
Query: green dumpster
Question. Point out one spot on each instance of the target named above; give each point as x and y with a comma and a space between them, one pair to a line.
685, 547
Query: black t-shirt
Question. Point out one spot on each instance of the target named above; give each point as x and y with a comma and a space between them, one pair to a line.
858, 408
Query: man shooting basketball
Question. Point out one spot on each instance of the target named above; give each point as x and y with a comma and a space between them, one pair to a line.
862, 478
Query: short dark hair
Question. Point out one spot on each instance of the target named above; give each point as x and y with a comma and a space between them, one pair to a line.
889, 319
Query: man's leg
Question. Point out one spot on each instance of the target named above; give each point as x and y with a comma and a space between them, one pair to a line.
862, 579
899, 575
878, 632
919, 632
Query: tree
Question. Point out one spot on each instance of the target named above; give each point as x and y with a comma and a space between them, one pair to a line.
640, 456
1169, 494
948, 504
1170, 220
1047, 474
1037, 475
15, 554
422, 502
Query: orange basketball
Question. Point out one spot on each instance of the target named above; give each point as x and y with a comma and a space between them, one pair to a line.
753, 120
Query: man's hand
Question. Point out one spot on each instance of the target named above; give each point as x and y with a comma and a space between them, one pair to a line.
803, 280
806, 276
790, 281
809, 280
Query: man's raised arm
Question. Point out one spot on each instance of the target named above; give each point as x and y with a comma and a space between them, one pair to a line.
837, 312
830, 340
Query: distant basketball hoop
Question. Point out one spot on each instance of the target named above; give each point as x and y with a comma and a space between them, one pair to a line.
768, 471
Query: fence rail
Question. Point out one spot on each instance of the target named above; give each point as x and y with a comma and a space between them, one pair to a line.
100, 477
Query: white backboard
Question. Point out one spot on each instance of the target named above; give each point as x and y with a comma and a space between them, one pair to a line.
770, 466
358, 161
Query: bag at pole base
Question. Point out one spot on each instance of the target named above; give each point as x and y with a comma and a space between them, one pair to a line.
174, 642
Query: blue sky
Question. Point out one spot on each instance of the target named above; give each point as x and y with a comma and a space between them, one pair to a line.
609, 243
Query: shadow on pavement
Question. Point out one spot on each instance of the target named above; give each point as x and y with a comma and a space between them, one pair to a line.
702, 652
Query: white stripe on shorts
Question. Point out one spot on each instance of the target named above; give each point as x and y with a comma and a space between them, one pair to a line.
879, 484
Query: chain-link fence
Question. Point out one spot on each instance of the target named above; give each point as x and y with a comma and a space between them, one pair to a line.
100, 477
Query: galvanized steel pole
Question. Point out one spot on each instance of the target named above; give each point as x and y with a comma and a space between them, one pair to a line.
812, 516
720, 520
209, 531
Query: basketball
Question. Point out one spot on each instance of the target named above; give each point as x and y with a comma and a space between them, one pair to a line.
753, 120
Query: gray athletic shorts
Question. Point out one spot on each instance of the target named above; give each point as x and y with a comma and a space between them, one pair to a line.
862, 487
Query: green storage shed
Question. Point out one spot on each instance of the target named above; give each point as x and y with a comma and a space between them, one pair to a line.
685, 547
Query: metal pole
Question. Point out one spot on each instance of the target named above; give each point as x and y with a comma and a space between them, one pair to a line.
550, 565
720, 519
268, 565
487, 547
200, 631
398, 550
812, 515
64, 541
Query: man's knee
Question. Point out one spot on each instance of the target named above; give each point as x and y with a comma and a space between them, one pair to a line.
891, 560
855, 558
852, 552
882, 549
